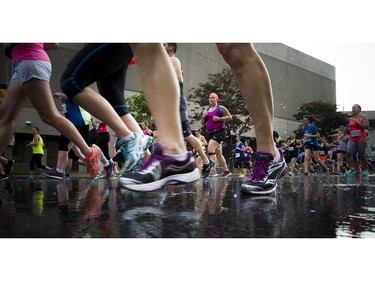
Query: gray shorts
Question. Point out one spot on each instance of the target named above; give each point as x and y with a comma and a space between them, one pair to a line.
354, 147
32, 69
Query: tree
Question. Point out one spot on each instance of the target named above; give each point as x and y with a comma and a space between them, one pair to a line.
224, 84
137, 105
324, 115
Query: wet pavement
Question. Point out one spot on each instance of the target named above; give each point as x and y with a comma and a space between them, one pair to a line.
321, 206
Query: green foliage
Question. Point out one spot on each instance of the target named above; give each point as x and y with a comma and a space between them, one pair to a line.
138, 107
224, 84
324, 116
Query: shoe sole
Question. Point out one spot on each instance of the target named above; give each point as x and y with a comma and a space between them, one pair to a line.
156, 185
54, 177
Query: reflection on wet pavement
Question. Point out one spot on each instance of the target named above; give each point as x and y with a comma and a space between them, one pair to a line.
313, 206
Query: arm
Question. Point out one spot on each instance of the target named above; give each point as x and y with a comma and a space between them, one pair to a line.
364, 124
177, 67
204, 117
226, 115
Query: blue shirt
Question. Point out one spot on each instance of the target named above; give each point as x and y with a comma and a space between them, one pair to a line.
313, 130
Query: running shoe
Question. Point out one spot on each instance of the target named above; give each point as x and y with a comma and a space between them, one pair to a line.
54, 174
3, 177
364, 173
206, 169
99, 176
350, 172
226, 174
93, 161
133, 151
213, 174
109, 169
8, 167
160, 170
265, 176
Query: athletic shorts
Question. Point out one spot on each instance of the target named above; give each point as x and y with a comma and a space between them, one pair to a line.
218, 136
32, 69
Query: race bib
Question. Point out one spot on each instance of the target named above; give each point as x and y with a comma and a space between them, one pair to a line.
291, 148
238, 155
356, 133
322, 153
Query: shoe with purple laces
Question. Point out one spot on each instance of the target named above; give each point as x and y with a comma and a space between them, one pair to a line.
54, 174
160, 170
265, 176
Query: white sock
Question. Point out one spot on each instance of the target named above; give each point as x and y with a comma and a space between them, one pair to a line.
59, 170
277, 157
106, 164
179, 157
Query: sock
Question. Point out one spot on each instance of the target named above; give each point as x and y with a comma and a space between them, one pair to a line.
59, 170
179, 157
106, 164
206, 163
277, 157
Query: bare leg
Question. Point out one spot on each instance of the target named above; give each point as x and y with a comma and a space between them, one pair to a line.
161, 89
40, 95
9, 110
97, 106
253, 80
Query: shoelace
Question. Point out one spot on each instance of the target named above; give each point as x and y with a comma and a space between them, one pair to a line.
260, 170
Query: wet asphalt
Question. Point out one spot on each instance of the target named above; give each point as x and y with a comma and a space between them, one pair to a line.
315, 206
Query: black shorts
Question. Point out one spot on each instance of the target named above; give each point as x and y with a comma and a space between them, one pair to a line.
219, 135
104, 63
186, 129
311, 147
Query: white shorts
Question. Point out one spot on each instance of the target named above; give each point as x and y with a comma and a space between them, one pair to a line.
32, 69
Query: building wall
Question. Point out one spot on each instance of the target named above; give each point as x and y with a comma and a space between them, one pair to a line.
296, 78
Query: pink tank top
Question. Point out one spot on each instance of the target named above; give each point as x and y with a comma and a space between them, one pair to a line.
29, 51
356, 133
211, 125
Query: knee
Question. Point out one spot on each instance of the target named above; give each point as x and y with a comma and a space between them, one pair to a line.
70, 86
231, 53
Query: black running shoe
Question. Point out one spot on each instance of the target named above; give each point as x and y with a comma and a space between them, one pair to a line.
206, 168
8, 167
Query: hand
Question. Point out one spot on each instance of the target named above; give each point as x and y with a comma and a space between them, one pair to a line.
216, 118
60, 95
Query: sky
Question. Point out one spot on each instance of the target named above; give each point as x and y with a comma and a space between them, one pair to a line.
355, 69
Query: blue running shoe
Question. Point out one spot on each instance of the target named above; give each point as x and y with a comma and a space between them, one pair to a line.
133, 151
364, 173
265, 176
350, 172
160, 170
